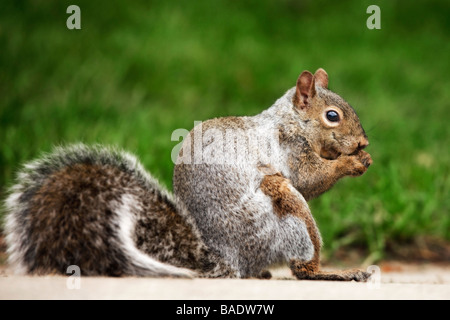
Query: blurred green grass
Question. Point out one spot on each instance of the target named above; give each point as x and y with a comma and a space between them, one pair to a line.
138, 70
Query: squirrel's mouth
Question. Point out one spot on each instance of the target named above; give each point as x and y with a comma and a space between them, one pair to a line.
329, 153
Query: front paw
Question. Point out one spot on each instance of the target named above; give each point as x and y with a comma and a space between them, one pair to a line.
355, 165
365, 158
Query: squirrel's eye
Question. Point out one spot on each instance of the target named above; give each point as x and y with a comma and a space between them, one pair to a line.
333, 116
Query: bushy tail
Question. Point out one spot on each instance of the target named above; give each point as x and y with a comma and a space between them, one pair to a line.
79, 206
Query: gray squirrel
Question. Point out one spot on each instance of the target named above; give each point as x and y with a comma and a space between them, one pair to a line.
241, 186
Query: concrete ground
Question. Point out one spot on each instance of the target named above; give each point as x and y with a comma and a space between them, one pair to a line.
396, 281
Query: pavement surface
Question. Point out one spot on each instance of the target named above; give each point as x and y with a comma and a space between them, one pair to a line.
392, 281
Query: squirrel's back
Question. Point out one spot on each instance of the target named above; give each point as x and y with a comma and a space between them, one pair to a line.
97, 208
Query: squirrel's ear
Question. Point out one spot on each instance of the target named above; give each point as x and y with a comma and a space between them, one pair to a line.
305, 90
321, 78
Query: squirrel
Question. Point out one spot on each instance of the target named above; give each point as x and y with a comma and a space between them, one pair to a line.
254, 212
241, 186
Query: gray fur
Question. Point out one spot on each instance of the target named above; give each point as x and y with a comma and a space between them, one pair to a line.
234, 217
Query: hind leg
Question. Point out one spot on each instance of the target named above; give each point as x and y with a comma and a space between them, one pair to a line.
286, 200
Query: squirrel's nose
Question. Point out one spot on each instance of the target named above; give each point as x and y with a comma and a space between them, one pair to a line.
362, 143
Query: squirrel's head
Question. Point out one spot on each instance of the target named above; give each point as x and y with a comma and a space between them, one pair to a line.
333, 125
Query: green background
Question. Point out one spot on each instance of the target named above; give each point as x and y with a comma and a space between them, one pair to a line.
137, 70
